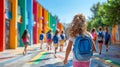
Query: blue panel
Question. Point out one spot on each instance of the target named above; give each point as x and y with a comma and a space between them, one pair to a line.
30, 19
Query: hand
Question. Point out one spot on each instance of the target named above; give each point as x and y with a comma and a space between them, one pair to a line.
65, 61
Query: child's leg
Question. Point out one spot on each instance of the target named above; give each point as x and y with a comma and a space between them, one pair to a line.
25, 48
62, 48
100, 47
50, 45
106, 45
41, 44
55, 49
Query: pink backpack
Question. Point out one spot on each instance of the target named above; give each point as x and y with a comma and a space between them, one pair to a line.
94, 35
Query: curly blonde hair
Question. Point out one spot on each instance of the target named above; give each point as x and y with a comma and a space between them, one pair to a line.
78, 25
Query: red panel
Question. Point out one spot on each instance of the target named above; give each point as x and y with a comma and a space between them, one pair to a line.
35, 29
43, 19
2, 25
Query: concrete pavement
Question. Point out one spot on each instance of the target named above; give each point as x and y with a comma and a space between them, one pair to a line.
42, 58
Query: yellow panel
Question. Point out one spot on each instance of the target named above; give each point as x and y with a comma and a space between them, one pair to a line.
13, 25
39, 20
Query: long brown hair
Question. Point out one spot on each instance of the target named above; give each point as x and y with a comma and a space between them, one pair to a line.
56, 32
25, 34
78, 25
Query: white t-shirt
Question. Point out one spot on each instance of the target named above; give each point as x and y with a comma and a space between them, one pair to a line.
73, 39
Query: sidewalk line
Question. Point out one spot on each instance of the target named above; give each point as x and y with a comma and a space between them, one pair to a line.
109, 62
36, 57
40, 59
11, 60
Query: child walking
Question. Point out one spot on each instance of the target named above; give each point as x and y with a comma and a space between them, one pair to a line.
62, 40
107, 38
55, 41
41, 39
79, 38
94, 34
49, 40
100, 39
25, 39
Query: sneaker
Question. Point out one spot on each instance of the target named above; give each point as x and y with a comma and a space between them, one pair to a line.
106, 50
23, 53
55, 56
40, 47
100, 53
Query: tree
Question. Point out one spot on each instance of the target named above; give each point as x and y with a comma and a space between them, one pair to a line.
112, 12
96, 20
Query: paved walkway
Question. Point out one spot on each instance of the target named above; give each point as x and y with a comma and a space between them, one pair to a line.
42, 58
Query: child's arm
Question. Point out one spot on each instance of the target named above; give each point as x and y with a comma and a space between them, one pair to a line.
93, 45
68, 51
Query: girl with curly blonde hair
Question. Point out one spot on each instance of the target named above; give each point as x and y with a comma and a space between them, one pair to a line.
77, 27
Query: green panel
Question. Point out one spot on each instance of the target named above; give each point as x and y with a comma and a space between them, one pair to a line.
22, 4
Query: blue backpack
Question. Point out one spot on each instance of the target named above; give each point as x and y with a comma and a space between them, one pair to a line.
41, 36
82, 48
107, 36
49, 36
62, 37
100, 36
55, 39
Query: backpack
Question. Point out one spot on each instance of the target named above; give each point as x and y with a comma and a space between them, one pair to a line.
107, 36
49, 36
100, 36
82, 48
55, 39
41, 36
62, 37
94, 35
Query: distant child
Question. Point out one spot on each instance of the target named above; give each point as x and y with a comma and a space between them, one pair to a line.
55, 41
94, 34
41, 39
62, 40
82, 42
107, 38
25, 39
49, 40
100, 39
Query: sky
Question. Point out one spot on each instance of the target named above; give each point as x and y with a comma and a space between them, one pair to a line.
66, 9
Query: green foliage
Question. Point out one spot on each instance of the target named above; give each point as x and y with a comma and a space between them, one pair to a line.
105, 14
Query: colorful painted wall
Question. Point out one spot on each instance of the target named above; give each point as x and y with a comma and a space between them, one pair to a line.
32, 16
